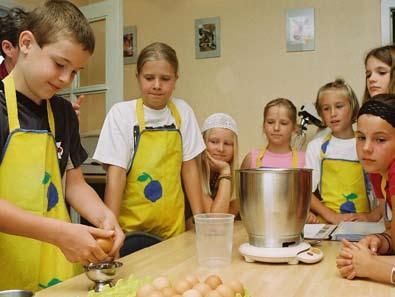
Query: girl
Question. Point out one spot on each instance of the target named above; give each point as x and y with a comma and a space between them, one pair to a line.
380, 67
337, 174
279, 124
376, 151
147, 146
218, 163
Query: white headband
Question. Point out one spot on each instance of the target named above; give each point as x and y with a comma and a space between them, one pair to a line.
220, 120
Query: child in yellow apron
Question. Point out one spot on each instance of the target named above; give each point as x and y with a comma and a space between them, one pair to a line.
30, 179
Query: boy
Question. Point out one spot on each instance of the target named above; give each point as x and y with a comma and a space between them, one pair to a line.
54, 44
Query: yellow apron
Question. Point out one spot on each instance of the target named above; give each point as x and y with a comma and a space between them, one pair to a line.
30, 179
153, 199
343, 185
259, 158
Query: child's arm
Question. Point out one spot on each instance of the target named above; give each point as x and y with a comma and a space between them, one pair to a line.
326, 213
116, 183
86, 202
74, 240
192, 185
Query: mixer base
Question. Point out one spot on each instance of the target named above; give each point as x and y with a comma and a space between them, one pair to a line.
292, 254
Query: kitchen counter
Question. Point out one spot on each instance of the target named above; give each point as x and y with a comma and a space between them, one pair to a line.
176, 257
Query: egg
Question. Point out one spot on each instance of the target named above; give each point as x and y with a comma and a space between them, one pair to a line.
161, 282
236, 286
105, 244
225, 291
192, 279
213, 294
168, 292
145, 290
181, 286
155, 294
192, 293
213, 281
202, 288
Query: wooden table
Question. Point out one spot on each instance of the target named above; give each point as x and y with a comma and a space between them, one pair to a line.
176, 257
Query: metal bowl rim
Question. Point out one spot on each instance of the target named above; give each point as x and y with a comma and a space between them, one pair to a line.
274, 170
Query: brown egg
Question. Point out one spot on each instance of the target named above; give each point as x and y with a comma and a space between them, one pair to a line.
145, 290
225, 291
161, 282
181, 286
236, 286
155, 294
168, 292
192, 293
192, 279
202, 288
105, 244
213, 294
213, 281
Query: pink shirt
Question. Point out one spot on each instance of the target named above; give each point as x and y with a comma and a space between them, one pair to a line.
275, 160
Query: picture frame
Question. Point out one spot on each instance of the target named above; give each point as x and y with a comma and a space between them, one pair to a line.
130, 45
207, 38
300, 30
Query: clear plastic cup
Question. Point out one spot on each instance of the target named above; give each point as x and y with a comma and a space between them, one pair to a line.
214, 238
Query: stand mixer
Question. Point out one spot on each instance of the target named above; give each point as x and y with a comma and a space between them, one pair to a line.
274, 203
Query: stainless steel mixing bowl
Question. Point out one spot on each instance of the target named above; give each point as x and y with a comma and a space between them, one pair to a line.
16, 293
274, 203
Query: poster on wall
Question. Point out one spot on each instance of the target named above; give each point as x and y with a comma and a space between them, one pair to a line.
207, 38
300, 30
130, 45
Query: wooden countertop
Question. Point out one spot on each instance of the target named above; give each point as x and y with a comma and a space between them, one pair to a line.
176, 257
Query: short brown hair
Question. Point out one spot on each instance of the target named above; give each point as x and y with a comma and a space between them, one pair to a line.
157, 51
341, 86
10, 26
59, 18
282, 102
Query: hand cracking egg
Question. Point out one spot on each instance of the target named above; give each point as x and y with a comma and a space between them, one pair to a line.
105, 244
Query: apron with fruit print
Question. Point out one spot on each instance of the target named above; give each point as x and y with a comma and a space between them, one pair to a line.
153, 199
259, 158
343, 184
30, 179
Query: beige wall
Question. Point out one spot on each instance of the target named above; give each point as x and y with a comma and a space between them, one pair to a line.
254, 66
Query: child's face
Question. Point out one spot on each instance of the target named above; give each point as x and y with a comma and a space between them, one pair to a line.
336, 112
157, 81
378, 76
278, 126
375, 143
220, 144
49, 69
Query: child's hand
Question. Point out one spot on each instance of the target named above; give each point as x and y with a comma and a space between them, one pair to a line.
219, 166
361, 257
111, 223
344, 261
78, 244
311, 218
337, 218
371, 242
77, 105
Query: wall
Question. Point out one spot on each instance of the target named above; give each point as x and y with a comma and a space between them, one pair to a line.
254, 66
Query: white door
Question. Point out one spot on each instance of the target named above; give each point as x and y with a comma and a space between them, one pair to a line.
101, 81
387, 8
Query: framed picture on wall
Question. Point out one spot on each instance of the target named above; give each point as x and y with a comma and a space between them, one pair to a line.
300, 30
130, 45
207, 38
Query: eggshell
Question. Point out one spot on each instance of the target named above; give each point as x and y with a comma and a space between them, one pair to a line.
181, 286
213, 294
168, 292
236, 286
202, 288
145, 290
161, 282
105, 244
213, 281
192, 279
225, 291
155, 294
192, 293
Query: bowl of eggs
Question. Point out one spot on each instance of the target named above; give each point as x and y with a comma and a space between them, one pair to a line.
191, 286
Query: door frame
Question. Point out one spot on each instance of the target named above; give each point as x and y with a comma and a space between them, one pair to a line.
386, 21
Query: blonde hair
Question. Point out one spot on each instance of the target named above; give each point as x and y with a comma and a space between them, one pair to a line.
205, 167
157, 51
339, 85
281, 102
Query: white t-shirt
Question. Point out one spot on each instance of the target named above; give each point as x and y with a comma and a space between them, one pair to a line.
116, 145
343, 149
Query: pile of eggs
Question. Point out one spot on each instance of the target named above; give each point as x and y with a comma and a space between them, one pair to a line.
191, 287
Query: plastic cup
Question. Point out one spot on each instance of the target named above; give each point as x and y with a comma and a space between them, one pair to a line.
214, 238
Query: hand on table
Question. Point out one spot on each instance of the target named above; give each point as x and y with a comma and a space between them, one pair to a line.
312, 218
